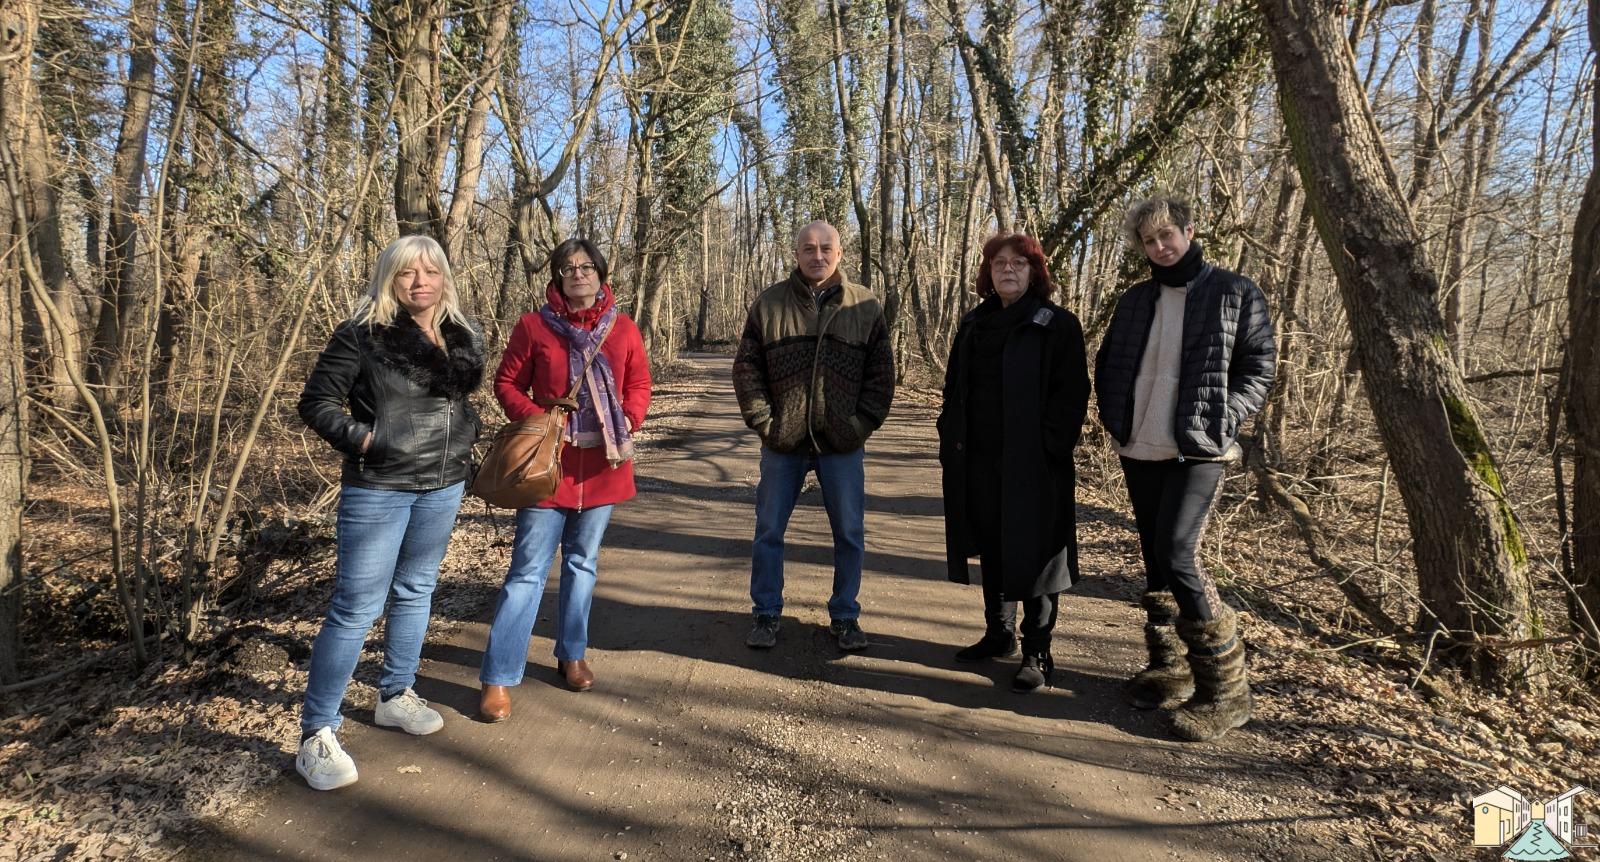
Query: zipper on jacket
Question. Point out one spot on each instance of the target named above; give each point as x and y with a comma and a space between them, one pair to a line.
372, 437
1200, 278
816, 363
1138, 360
444, 460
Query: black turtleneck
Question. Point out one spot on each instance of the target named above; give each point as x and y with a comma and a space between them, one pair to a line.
1182, 272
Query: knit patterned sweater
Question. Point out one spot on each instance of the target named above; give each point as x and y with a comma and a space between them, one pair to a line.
810, 379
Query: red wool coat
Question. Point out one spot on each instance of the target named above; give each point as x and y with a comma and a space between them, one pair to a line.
535, 366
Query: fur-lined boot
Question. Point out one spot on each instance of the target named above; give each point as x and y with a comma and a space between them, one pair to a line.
1222, 694
1166, 681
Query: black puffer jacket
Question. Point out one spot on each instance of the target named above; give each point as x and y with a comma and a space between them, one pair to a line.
409, 394
1229, 357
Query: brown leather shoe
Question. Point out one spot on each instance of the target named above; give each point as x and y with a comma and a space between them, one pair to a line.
494, 703
576, 673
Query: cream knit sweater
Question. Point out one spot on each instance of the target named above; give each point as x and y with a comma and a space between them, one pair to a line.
1155, 390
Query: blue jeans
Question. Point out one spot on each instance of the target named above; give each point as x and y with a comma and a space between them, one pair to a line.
390, 544
844, 495
578, 532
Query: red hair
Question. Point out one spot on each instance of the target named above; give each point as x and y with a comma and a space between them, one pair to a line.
1039, 283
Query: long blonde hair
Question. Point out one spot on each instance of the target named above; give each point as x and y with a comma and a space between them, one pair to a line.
380, 306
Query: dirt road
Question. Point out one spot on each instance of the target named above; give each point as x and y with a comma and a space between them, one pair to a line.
693, 747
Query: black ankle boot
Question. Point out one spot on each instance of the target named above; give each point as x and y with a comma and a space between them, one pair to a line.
991, 645
1034, 673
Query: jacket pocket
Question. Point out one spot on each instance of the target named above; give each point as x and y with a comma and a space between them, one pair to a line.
859, 427
1223, 430
374, 451
846, 433
462, 442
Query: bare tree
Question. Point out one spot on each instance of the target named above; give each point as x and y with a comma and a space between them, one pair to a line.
18, 24
415, 35
48, 355
126, 192
691, 151
469, 154
1470, 559
1583, 381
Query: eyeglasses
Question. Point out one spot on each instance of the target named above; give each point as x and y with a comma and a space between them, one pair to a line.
573, 269
1009, 263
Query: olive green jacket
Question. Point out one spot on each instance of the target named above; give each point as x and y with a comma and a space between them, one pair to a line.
810, 379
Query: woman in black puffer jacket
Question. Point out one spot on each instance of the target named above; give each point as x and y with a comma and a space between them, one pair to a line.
390, 393
1188, 357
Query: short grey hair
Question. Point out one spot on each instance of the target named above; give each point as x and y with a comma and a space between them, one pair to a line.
1154, 212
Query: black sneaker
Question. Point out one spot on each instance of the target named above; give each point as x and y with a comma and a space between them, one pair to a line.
764, 634
990, 646
850, 635
1034, 673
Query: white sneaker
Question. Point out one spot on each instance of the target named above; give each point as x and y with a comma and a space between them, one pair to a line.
409, 713
323, 763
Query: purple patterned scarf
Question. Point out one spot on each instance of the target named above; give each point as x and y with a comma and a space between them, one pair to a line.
599, 419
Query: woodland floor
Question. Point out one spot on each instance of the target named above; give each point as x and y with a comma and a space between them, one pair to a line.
693, 747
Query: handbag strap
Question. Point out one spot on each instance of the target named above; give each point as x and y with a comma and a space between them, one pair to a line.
570, 402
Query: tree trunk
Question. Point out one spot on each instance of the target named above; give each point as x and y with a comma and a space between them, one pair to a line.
19, 22
1470, 559
376, 76
1477, 161
202, 185
645, 271
1583, 381
890, 155
126, 191
47, 356
992, 59
698, 339
982, 124
852, 162
469, 158
415, 38
13, 453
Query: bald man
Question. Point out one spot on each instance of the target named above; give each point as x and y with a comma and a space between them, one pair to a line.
815, 376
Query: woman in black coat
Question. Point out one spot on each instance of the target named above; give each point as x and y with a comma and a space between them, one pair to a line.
1015, 394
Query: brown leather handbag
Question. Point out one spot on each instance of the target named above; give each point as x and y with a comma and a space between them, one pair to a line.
523, 467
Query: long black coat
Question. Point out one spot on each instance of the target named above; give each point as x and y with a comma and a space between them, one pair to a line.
1045, 392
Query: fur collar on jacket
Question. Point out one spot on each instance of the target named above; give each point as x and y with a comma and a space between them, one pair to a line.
452, 373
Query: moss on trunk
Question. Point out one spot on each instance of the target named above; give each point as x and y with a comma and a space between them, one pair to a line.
1474, 448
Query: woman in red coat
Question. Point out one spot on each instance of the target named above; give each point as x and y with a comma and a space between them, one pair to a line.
545, 356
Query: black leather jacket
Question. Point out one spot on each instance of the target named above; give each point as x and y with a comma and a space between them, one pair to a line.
410, 395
